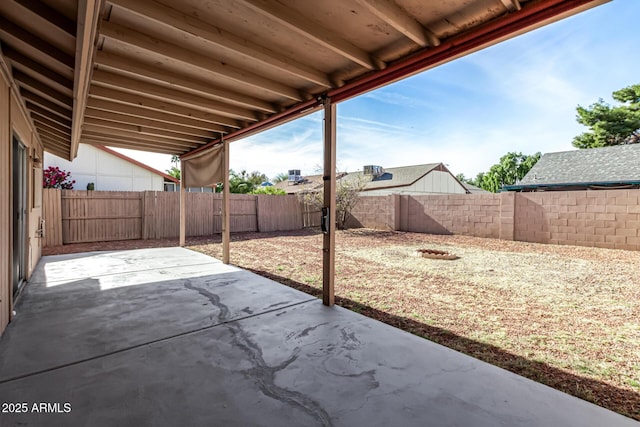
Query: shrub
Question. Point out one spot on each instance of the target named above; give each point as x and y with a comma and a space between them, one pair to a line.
269, 190
54, 177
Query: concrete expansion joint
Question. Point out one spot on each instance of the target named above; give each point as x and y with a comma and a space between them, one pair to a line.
148, 343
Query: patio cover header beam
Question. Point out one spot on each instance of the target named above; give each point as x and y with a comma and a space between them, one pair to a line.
88, 11
518, 22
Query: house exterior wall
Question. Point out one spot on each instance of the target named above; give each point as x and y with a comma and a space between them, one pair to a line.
106, 171
435, 182
6, 233
14, 121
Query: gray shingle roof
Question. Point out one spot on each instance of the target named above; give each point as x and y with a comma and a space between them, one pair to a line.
394, 177
617, 164
472, 188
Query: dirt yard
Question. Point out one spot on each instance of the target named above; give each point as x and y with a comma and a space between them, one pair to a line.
565, 316
568, 317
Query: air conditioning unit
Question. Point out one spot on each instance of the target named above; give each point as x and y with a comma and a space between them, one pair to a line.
294, 175
373, 170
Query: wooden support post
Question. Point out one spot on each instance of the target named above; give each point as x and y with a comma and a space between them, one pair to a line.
329, 238
183, 208
226, 205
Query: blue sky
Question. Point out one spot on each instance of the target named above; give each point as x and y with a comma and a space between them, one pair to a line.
520, 95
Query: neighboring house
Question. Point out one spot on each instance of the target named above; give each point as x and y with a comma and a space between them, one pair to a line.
109, 170
472, 189
433, 178
302, 184
602, 168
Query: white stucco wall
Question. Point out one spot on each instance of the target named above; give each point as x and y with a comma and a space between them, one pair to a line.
106, 171
435, 182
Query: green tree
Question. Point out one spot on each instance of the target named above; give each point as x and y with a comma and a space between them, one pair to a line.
175, 169
280, 178
611, 125
269, 190
244, 182
511, 168
460, 177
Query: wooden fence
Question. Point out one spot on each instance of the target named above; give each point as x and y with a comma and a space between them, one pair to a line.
74, 216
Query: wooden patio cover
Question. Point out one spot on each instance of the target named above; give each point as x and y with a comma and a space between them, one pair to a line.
177, 77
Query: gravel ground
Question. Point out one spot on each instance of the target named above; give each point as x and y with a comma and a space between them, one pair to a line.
566, 316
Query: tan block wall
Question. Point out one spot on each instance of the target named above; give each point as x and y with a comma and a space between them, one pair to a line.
604, 218
467, 214
473, 215
378, 212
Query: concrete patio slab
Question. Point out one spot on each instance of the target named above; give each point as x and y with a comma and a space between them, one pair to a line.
200, 343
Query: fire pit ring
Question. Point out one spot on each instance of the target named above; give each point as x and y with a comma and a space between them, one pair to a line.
435, 254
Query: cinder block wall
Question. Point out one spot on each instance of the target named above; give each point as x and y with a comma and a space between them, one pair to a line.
602, 218
377, 212
467, 214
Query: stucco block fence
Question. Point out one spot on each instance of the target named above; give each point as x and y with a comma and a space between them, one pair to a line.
601, 218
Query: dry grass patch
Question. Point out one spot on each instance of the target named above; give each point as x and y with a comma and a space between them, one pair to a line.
566, 316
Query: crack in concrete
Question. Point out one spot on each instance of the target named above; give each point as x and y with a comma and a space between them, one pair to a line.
264, 374
305, 331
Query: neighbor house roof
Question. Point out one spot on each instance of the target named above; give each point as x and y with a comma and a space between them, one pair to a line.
396, 177
137, 163
308, 183
618, 164
392, 177
472, 188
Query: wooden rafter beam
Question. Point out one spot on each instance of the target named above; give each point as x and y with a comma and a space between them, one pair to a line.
512, 5
43, 118
221, 38
46, 104
132, 145
54, 146
162, 93
48, 13
22, 40
199, 60
144, 130
149, 123
100, 107
61, 137
52, 143
88, 12
171, 79
138, 101
109, 130
60, 152
398, 18
38, 71
36, 86
109, 137
48, 114
313, 31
